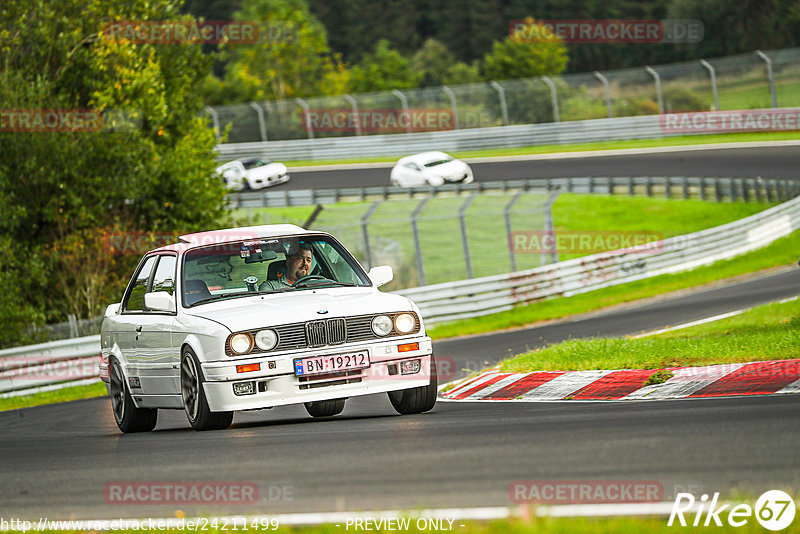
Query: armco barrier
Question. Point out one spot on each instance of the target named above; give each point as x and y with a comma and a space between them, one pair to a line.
643, 127
555, 133
704, 188
24, 368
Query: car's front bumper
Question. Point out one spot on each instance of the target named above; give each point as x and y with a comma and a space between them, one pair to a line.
279, 386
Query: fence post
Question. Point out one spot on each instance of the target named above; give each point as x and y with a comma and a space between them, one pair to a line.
417, 245
507, 217
717, 190
668, 187
770, 77
685, 187
713, 75
73, 325
502, 94
215, 119
262, 125
660, 95
354, 106
449, 92
465, 242
607, 90
306, 107
365, 231
631, 186
404, 103
553, 97
550, 228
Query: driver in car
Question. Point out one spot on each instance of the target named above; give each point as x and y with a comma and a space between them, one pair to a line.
298, 265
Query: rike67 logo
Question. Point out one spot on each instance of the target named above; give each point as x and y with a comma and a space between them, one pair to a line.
774, 510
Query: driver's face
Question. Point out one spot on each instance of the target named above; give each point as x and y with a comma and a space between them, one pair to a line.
298, 265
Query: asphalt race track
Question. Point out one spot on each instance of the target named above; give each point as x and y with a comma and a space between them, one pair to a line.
57, 460
767, 162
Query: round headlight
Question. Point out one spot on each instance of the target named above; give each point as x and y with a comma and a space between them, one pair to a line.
404, 323
381, 325
266, 339
241, 343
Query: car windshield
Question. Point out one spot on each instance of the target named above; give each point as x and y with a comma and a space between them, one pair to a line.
438, 162
252, 163
259, 266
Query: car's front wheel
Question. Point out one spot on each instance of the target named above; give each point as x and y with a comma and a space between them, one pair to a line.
194, 397
129, 418
325, 408
416, 400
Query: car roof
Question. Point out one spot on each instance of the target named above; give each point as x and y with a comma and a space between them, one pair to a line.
212, 237
424, 157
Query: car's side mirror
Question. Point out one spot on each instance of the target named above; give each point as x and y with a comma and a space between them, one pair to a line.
159, 301
381, 275
112, 309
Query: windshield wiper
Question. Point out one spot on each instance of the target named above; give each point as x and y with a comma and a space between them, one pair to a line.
315, 283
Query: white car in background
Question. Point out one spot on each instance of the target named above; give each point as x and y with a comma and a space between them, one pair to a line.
430, 168
252, 173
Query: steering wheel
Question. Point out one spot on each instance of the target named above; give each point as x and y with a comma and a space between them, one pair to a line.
309, 278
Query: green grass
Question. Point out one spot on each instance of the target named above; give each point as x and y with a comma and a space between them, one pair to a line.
686, 140
53, 397
767, 332
783, 251
440, 235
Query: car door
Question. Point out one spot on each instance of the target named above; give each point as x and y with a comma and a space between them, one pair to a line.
129, 324
158, 359
411, 174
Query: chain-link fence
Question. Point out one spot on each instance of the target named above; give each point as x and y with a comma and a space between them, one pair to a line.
442, 239
746, 81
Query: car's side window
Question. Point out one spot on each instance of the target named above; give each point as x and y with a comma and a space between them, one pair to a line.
135, 299
164, 279
413, 166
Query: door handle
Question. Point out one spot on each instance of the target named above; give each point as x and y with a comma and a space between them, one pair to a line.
139, 328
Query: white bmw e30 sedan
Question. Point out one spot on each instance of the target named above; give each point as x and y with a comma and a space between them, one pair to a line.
256, 317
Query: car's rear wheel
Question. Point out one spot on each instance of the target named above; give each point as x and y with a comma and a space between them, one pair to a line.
325, 408
194, 397
419, 399
129, 418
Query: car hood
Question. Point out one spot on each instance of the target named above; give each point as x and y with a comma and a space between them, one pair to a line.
249, 313
270, 169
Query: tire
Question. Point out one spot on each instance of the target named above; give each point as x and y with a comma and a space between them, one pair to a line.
416, 400
325, 408
129, 418
194, 397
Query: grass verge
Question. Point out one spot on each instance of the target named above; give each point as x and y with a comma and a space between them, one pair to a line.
53, 397
686, 140
783, 251
769, 332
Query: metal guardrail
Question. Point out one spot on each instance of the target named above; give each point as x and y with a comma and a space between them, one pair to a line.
585, 131
71, 361
704, 188
57, 362
481, 296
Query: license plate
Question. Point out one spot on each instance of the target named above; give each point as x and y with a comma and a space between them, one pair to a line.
331, 364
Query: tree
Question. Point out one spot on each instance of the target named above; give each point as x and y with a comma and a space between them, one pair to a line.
534, 51
151, 172
438, 66
292, 59
383, 70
